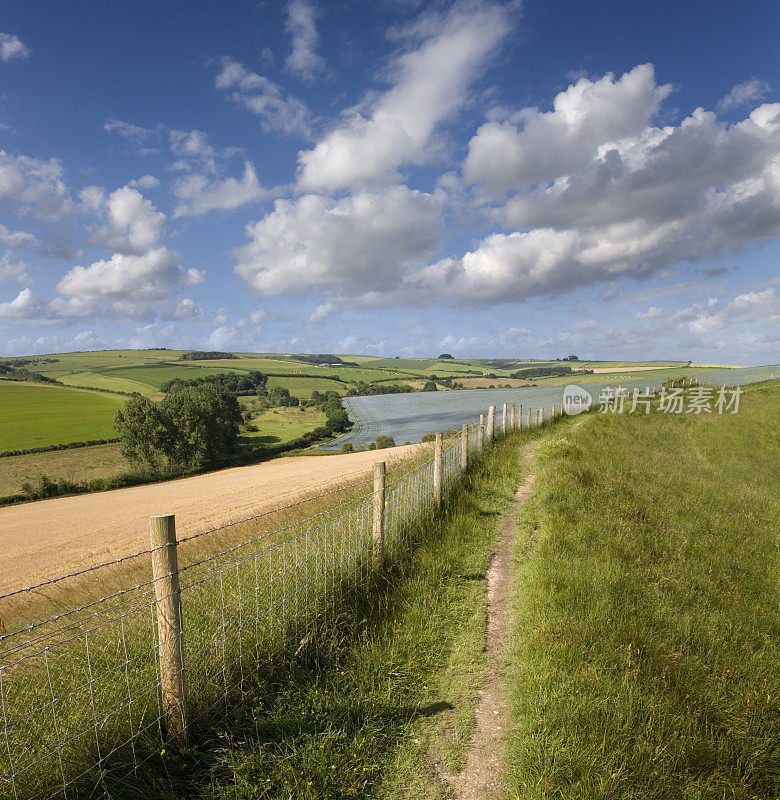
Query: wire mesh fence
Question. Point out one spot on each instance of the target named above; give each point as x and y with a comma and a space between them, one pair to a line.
81, 692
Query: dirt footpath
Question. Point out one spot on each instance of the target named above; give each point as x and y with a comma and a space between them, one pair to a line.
49, 538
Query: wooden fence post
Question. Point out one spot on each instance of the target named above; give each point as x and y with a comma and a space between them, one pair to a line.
464, 446
167, 593
503, 420
528, 419
481, 433
437, 471
519, 416
491, 423
379, 512
512, 418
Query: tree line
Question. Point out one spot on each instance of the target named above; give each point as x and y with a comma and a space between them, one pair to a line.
544, 372
238, 384
203, 355
10, 372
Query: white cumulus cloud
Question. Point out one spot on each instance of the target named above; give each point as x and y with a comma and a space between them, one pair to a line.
24, 306
13, 270
361, 243
33, 186
187, 308
134, 224
197, 195
124, 285
535, 146
144, 182
15, 238
322, 312
744, 93
755, 308
429, 84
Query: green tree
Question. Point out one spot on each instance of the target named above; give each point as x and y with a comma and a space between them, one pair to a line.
206, 420
336, 418
430, 386
146, 432
279, 396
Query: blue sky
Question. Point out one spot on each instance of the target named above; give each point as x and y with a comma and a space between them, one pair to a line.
527, 178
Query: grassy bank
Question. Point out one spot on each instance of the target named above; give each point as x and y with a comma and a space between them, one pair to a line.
646, 630
392, 678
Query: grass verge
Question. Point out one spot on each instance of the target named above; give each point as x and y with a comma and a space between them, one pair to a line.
358, 707
645, 646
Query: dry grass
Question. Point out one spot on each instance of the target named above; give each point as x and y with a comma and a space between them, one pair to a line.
78, 464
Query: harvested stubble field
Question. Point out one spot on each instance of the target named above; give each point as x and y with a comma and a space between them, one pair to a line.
53, 537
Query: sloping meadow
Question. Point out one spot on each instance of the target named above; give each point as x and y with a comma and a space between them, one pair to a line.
646, 646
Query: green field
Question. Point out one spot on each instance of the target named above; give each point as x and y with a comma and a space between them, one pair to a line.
145, 379
646, 638
282, 425
618, 375
146, 371
37, 415
104, 461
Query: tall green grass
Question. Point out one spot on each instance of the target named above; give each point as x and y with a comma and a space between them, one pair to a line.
645, 643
